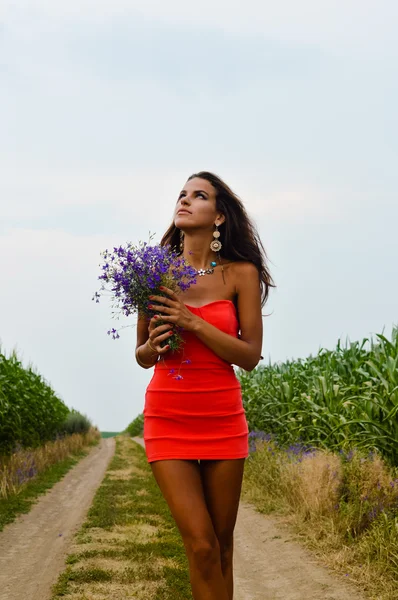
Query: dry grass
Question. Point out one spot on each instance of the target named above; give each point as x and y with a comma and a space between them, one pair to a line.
313, 485
23, 466
138, 590
139, 532
344, 506
125, 474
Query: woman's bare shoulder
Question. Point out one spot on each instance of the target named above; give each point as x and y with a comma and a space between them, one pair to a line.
242, 268
241, 275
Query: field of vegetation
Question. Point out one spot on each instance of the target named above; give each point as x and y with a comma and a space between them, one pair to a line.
324, 453
338, 399
30, 411
40, 437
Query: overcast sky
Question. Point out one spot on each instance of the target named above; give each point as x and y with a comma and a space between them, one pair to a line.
107, 107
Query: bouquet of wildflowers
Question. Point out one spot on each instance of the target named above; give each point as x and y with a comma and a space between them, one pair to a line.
136, 272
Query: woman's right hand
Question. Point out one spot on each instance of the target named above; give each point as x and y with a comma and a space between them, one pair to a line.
157, 334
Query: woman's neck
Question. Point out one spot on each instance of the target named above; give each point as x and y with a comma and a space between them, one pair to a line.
197, 251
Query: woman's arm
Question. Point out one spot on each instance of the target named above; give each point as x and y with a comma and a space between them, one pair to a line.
244, 352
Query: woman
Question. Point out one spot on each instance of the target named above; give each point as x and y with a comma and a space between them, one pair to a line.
195, 430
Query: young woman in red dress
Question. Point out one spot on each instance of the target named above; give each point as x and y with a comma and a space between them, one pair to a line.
195, 430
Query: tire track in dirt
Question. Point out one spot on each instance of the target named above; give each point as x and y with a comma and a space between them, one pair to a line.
269, 565
33, 548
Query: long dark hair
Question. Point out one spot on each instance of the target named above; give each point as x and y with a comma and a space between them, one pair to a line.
239, 236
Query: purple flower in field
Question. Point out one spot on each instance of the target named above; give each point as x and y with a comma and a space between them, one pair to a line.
347, 456
372, 514
261, 436
297, 451
32, 472
252, 446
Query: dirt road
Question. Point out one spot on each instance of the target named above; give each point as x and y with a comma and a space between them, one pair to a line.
268, 564
33, 548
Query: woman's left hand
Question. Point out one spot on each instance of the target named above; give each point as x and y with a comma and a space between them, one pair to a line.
173, 310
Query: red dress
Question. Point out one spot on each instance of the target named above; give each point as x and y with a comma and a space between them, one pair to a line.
193, 403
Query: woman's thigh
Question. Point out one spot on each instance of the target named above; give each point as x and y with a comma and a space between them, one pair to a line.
222, 484
181, 485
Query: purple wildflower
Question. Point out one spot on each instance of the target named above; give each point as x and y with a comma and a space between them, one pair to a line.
136, 272
261, 435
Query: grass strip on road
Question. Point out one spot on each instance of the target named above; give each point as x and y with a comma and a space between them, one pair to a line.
129, 546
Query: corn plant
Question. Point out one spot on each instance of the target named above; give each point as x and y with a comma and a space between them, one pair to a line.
337, 399
30, 411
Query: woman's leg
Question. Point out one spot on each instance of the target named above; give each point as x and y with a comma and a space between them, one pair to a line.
222, 483
181, 485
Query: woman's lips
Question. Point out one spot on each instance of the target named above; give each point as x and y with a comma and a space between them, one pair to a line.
183, 212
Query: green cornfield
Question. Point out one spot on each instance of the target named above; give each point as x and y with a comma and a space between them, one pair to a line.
337, 399
30, 411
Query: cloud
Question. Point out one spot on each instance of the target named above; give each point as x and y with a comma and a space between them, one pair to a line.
295, 204
129, 203
308, 21
138, 92
336, 24
88, 201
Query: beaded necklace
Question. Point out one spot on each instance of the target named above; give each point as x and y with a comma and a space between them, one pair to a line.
210, 270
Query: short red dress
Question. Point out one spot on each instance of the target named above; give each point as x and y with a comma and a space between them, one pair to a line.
193, 403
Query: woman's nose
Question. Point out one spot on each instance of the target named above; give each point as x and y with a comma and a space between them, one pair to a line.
185, 200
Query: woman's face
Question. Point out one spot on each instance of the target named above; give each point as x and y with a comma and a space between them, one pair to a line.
196, 206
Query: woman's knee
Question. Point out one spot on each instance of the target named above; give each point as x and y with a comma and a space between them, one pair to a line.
204, 553
226, 544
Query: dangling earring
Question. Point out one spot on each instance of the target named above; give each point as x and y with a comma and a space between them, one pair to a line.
216, 245
181, 241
